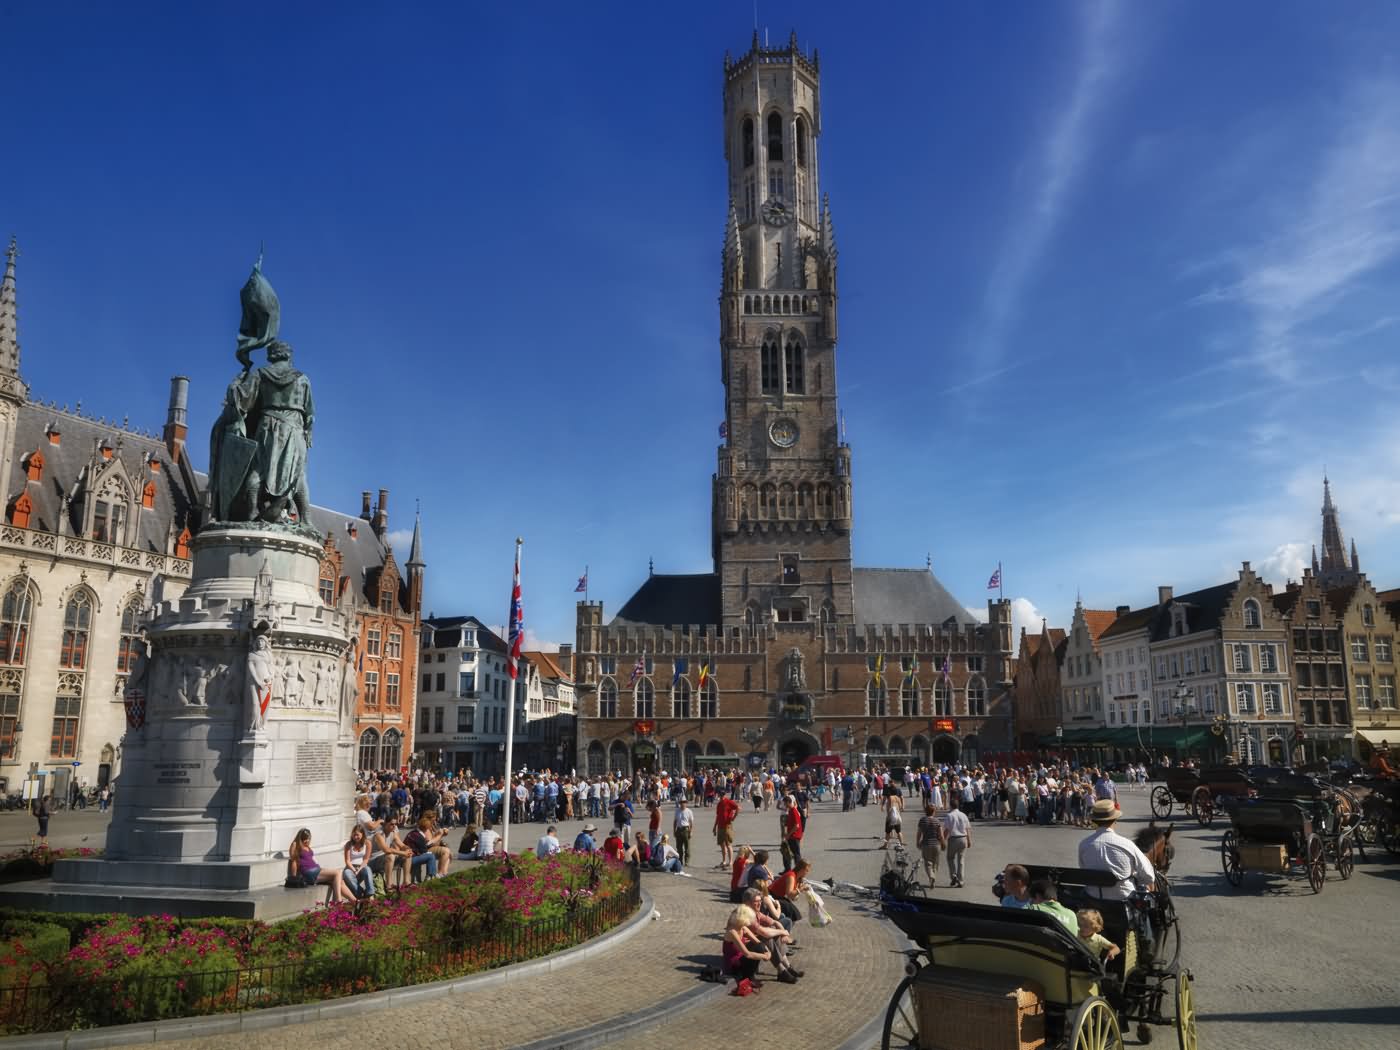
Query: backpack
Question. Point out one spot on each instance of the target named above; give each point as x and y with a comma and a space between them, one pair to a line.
417, 842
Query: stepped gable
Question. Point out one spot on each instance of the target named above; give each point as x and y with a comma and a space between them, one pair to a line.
894, 596
65, 462
664, 600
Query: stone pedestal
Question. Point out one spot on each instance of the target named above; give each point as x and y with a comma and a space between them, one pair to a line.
206, 800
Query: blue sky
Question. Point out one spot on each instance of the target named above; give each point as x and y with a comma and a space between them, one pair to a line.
1116, 279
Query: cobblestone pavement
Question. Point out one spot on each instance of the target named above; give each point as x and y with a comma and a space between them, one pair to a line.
1275, 966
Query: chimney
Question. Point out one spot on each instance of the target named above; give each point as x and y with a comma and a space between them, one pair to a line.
176, 416
380, 522
1120, 612
364, 505
1246, 566
52, 433
566, 659
1164, 595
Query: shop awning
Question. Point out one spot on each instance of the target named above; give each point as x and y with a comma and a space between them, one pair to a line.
1376, 737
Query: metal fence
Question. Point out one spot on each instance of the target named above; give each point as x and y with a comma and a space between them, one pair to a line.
61, 1005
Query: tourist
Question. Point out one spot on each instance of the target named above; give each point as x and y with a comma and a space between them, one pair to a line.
1045, 896
665, 858
1090, 929
1106, 850
303, 870
786, 888
41, 814
792, 834
772, 933
487, 841
1016, 886
391, 858
726, 809
104, 798
743, 856
585, 842
957, 839
362, 816
466, 847
357, 874
894, 816
548, 845
930, 839
682, 824
653, 824
743, 950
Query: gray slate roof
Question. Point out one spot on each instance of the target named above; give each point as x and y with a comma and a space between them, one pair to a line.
1204, 610
447, 632
911, 596
673, 600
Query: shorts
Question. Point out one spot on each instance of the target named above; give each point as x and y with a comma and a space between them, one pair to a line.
892, 826
725, 835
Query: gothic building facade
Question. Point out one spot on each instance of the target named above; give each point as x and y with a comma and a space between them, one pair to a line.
99, 519
785, 649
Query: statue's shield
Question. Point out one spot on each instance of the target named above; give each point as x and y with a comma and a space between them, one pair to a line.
235, 460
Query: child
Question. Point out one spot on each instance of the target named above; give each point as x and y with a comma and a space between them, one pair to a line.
1091, 932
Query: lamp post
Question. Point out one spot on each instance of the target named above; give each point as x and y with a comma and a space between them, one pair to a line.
1185, 711
1060, 742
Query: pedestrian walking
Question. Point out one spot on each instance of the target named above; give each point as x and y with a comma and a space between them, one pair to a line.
958, 838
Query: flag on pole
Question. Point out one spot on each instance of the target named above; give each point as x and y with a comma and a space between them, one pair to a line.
909, 674
638, 669
879, 668
995, 582
945, 671
582, 587
680, 670
516, 636
704, 673
724, 429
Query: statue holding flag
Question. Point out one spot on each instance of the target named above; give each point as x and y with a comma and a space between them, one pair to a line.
258, 680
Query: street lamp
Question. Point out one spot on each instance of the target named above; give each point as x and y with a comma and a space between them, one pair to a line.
1185, 710
1059, 742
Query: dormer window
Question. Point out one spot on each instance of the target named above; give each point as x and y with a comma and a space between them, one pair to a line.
1178, 621
386, 599
108, 516
148, 495
182, 543
34, 466
1368, 616
106, 450
23, 510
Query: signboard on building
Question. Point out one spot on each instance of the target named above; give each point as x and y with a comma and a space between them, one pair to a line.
945, 725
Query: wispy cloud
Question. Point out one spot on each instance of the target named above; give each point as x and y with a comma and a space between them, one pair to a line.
1057, 161
1347, 225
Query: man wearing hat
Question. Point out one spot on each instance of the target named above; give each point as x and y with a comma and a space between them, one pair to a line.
1106, 850
586, 843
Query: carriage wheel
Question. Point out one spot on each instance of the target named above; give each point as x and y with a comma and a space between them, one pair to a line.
1315, 858
1230, 858
901, 1019
1389, 835
1095, 1027
1185, 1012
1203, 805
1346, 861
1162, 802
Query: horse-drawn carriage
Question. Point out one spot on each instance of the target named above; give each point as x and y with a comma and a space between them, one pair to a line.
987, 976
1200, 790
1283, 833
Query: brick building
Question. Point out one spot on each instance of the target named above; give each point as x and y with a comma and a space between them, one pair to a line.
785, 649
1037, 685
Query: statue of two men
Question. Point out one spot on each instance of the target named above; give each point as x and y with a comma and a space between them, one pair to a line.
258, 448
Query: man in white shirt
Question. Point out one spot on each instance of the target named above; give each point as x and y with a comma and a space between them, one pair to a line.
548, 845
959, 838
684, 821
1106, 850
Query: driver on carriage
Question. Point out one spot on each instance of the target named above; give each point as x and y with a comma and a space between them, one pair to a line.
1380, 762
1106, 850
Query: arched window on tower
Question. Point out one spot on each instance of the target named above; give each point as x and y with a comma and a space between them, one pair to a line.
775, 138
77, 622
792, 366
130, 645
801, 142
769, 362
747, 136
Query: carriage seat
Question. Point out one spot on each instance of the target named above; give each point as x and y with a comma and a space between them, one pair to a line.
1030, 945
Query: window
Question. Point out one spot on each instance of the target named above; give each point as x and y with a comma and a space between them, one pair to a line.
1161, 668
182, 543
775, 183
1205, 661
607, 665
1142, 680
801, 143
371, 688
976, 697
129, 646
1334, 641
1368, 616
437, 720
1175, 664
1363, 690
1252, 618
875, 696
1300, 641
372, 641
1208, 699
1241, 657
427, 686
1268, 659
1335, 673
909, 698
942, 699
369, 749
644, 699
1304, 676
77, 620
1244, 698
792, 368
974, 664
709, 700
393, 649
66, 712
1273, 698
441, 683
680, 699
327, 592
466, 683
391, 689
466, 717
1383, 655
769, 366
746, 144
390, 753
107, 517
1358, 648
1385, 691
790, 572
648, 664
1314, 607
775, 138
1188, 662
386, 599
789, 613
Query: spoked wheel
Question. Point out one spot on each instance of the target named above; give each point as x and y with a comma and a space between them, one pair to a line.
1162, 802
1346, 860
1230, 859
1185, 1012
1315, 858
901, 1019
1203, 806
1095, 1027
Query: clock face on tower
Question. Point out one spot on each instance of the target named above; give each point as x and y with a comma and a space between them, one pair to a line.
775, 212
783, 433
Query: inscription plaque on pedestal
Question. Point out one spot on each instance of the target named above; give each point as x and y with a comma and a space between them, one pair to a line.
314, 762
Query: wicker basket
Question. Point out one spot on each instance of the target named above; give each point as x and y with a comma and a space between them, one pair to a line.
968, 1010
1261, 857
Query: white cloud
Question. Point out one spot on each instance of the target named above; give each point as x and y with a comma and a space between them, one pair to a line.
400, 540
1059, 157
1286, 563
533, 643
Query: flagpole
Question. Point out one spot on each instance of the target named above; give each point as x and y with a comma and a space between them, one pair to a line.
585, 585
509, 794
1001, 584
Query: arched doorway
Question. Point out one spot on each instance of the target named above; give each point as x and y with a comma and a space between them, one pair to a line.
644, 757
794, 751
692, 755
597, 759
970, 751
946, 749
617, 757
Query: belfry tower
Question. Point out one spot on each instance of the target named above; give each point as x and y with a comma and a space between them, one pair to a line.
782, 493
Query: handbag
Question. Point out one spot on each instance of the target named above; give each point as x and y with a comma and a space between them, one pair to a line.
817, 914
743, 987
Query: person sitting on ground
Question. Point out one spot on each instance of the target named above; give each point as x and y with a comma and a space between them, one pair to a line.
585, 842
786, 888
363, 816
391, 857
1090, 930
613, 845
665, 857
548, 845
1045, 896
302, 868
774, 935
466, 849
488, 839
427, 840
743, 950
1016, 882
743, 857
757, 870
357, 853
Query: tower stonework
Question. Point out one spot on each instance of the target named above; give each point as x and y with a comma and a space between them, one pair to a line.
782, 490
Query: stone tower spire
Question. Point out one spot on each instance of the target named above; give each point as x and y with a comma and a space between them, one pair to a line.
415, 566
1335, 568
9, 321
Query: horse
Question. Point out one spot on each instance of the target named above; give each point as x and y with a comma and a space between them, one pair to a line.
1156, 845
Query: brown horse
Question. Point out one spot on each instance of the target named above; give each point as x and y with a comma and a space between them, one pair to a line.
1156, 845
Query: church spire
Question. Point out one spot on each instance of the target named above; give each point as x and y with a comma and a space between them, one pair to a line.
1337, 569
9, 322
415, 549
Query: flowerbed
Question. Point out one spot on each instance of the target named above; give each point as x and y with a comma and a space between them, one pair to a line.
37, 862
121, 969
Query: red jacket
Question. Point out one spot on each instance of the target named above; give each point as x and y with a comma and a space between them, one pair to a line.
725, 812
794, 824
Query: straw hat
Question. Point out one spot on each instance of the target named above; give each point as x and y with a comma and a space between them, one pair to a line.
1105, 811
